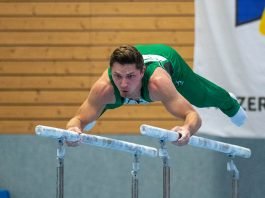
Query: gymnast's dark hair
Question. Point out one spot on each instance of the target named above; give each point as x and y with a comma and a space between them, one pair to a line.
127, 54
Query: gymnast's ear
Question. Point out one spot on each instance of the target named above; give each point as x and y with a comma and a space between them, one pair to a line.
143, 70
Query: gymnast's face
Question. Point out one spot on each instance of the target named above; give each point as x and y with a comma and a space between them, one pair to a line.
128, 79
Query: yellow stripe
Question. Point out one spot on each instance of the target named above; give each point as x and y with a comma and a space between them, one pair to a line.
262, 23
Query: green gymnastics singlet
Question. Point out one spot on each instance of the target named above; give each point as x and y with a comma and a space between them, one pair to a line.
199, 91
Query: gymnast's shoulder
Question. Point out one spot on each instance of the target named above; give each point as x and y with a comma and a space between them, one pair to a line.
159, 82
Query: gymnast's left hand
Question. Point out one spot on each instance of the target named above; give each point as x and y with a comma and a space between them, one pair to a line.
184, 135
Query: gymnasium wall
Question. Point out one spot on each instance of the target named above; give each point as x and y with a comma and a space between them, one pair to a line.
52, 52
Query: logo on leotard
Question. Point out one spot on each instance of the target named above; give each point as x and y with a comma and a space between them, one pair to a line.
152, 58
179, 82
132, 101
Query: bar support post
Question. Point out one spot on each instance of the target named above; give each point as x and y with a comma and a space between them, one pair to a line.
135, 181
231, 167
163, 154
60, 169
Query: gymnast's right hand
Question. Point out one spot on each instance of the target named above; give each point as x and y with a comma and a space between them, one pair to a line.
74, 143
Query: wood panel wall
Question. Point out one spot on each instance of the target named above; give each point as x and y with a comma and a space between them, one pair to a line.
52, 52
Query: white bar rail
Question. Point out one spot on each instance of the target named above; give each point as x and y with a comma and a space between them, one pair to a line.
94, 140
168, 135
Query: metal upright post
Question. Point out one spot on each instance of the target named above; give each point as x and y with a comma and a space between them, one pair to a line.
163, 154
60, 169
231, 167
135, 182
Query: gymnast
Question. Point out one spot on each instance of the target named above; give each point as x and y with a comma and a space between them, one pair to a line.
155, 72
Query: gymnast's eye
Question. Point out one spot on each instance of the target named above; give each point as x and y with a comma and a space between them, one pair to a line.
117, 76
130, 76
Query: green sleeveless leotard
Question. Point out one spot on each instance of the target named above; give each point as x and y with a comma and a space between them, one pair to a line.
197, 90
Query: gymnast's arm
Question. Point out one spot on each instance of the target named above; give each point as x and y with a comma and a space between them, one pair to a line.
162, 89
100, 94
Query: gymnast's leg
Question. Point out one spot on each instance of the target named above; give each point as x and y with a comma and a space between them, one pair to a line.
203, 93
